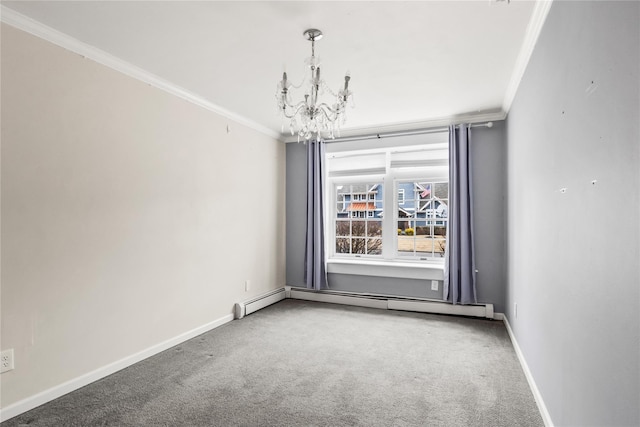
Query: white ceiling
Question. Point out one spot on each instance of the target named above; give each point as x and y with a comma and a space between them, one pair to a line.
412, 62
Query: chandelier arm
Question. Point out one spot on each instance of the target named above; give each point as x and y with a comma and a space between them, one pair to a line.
291, 106
325, 106
326, 114
298, 107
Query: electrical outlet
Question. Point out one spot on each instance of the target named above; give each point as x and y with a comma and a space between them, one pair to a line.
434, 285
247, 285
6, 361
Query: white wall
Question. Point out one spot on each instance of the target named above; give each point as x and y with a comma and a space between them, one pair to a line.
573, 257
129, 216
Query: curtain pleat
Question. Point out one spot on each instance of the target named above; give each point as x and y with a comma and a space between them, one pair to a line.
460, 268
315, 268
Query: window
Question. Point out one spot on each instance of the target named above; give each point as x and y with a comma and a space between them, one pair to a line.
390, 203
357, 229
422, 224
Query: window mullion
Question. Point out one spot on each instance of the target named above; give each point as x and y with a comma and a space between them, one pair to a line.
389, 201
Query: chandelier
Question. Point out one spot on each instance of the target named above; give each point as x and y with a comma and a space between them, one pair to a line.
312, 118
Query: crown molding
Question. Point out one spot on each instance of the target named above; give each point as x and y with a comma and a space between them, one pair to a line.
538, 17
38, 29
415, 125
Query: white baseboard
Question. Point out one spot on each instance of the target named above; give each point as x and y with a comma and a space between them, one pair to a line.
527, 373
268, 299
83, 380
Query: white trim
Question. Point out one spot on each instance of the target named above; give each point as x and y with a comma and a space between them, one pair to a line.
43, 397
383, 268
538, 17
546, 418
38, 29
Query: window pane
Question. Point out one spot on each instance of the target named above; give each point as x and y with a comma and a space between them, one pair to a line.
358, 228
374, 246
374, 228
440, 229
441, 190
359, 188
424, 230
357, 246
424, 245
342, 246
406, 245
343, 228
424, 190
439, 247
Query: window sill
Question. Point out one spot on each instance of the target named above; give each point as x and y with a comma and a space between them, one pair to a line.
396, 269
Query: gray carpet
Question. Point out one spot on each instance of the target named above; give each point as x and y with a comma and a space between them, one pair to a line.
299, 363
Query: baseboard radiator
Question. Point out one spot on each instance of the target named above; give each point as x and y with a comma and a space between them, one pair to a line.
392, 303
242, 309
384, 302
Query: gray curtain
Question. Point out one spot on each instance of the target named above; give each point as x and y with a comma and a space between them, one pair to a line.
314, 267
460, 268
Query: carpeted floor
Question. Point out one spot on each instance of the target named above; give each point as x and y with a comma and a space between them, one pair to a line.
299, 363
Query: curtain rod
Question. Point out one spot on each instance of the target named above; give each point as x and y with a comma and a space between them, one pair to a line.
425, 131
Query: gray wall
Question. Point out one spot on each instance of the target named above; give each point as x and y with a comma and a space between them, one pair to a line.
296, 210
574, 256
488, 162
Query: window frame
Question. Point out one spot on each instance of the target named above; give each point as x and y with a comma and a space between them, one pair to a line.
389, 186
432, 180
331, 211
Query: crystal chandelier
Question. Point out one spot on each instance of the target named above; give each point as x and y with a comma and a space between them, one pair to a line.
315, 119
